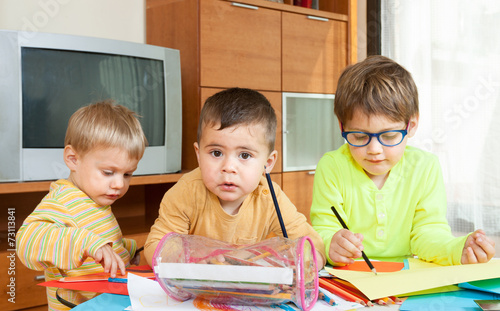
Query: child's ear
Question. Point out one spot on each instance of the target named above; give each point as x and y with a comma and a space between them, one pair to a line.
412, 126
70, 157
197, 151
271, 161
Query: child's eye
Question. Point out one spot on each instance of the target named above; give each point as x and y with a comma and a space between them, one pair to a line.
216, 153
128, 175
359, 136
245, 155
107, 173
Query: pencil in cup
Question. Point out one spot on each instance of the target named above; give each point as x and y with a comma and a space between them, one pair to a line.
368, 262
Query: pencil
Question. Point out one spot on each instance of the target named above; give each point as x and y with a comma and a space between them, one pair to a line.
368, 262
348, 287
323, 296
276, 206
266, 254
339, 291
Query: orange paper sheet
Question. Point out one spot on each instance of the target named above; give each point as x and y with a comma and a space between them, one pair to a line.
380, 266
98, 286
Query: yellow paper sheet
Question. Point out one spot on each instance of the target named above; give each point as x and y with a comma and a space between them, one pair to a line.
420, 276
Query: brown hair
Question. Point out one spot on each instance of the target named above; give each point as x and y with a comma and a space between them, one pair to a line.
237, 106
376, 86
105, 124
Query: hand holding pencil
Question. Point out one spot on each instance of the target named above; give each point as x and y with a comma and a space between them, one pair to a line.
346, 245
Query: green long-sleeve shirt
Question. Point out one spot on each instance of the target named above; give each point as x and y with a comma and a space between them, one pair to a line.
406, 217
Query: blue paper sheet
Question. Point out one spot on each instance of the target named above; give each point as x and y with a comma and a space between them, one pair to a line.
491, 285
458, 300
105, 302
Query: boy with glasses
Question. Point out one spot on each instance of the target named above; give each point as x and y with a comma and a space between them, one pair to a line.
392, 195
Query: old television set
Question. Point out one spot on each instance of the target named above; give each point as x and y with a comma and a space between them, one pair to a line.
44, 78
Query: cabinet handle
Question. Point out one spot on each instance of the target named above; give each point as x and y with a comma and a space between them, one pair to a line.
246, 6
39, 277
317, 18
311, 172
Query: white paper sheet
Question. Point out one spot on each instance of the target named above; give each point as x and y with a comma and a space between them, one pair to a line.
147, 295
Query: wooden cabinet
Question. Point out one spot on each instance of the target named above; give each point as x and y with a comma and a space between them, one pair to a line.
240, 45
298, 187
314, 53
258, 44
26, 292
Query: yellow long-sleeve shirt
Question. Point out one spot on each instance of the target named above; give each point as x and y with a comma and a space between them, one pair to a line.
406, 217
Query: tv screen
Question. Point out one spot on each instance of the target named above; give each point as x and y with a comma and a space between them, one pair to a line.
45, 78
55, 83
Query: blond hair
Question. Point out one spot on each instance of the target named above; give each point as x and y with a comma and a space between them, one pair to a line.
376, 86
107, 125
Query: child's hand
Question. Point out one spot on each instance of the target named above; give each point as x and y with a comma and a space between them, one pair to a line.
478, 248
109, 260
345, 246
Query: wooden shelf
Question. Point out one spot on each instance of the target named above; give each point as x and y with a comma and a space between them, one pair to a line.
330, 9
43, 186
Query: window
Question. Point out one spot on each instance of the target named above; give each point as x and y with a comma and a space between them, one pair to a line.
452, 49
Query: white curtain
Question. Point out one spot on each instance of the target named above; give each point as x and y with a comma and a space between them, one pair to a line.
452, 49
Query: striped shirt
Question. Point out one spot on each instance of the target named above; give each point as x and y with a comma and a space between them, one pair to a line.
64, 231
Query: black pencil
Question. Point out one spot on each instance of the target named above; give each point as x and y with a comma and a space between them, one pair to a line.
368, 262
276, 206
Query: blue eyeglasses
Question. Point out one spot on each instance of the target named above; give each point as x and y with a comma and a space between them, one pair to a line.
386, 138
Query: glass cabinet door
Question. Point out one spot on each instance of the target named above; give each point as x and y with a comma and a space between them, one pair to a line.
310, 128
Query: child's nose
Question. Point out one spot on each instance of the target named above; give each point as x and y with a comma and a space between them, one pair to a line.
229, 165
374, 146
117, 182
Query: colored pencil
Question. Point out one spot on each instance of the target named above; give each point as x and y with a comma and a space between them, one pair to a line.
368, 262
276, 206
347, 287
323, 296
267, 254
334, 289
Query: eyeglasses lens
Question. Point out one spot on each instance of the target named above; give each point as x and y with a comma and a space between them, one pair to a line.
390, 138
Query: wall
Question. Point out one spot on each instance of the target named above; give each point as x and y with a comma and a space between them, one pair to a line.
120, 20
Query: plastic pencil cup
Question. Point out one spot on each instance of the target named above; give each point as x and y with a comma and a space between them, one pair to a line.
274, 271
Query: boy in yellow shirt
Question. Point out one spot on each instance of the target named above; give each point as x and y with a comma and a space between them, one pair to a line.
227, 198
73, 230
391, 196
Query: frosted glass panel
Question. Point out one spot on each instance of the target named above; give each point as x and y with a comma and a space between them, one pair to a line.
310, 128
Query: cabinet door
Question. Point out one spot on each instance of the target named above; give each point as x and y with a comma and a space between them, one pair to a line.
310, 128
314, 53
27, 293
275, 100
298, 187
240, 45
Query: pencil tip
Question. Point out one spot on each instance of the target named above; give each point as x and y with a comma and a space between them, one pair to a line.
374, 271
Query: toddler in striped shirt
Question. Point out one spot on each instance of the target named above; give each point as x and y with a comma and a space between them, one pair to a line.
73, 230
